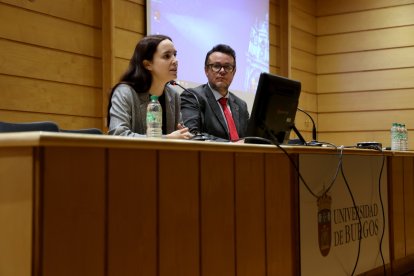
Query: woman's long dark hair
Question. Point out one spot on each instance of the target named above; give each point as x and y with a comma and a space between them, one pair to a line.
137, 75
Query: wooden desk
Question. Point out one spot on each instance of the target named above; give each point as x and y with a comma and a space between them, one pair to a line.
75, 204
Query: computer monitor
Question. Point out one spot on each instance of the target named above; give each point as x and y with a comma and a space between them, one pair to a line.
274, 109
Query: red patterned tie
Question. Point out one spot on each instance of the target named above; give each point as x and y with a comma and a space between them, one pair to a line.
230, 123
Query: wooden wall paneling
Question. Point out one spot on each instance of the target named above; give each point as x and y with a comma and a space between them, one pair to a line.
327, 7
308, 6
34, 62
409, 204
142, 2
73, 211
285, 38
396, 207
120, 66
179, 218
308, 80
362, 81
274, 34
47, 31
350, 138
132, 212
107, 58
85, 12
217, 204
64, 121
304, 124
309, 102
129, 16
364, 121
366, 40
125, 42
274, 57
274, 70
303, 20
274, 37
303, 61
367, 100
364, 61
31, 95
389, 17
274, 10
303, 41
250, 214
16, 203
281, 191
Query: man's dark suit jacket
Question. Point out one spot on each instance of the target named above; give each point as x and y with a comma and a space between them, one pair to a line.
201, 113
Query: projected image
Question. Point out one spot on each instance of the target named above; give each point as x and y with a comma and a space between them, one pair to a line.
196, 26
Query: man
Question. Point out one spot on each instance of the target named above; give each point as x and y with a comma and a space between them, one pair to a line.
210, 108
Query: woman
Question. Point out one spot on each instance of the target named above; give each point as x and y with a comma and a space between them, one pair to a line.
152, 65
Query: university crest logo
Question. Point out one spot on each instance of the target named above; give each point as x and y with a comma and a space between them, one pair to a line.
324, 224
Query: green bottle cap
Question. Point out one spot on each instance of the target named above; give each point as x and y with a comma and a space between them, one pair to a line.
154, 98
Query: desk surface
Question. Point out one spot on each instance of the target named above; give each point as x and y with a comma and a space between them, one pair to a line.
40, 138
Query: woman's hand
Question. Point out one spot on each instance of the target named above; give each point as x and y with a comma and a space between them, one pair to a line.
180, 134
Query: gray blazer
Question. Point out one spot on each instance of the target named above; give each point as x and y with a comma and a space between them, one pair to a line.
204, 114
127, 115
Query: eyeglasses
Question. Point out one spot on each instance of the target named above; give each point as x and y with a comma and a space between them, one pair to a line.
216, 67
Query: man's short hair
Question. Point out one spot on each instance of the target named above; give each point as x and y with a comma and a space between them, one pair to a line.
222, 48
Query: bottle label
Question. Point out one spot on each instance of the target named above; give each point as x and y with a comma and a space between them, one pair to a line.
153, 117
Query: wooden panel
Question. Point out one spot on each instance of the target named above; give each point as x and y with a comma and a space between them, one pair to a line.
308, 80
303, 41
366, 100
250, 215
16, 210
366, 40
327, 7
179, 249
303, 123
364, 121
125, 42
30, 95
303, 21
274, 56
217, 214
274, 35
29, 61
50, 32
108, 29
142, 2
132, 212
73, 241
363, 61
361, 81
274, 17
129, 16
274, 70
409, 205
281, 238
303, 61
366, 20
120, 66
308, 6
309, 101
85, 12
351, 138
396, 193
64, 121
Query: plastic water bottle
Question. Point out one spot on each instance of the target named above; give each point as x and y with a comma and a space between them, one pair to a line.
154, 118
395, 143
404, 143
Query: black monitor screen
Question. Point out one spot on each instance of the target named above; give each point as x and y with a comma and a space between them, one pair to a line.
274, 108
